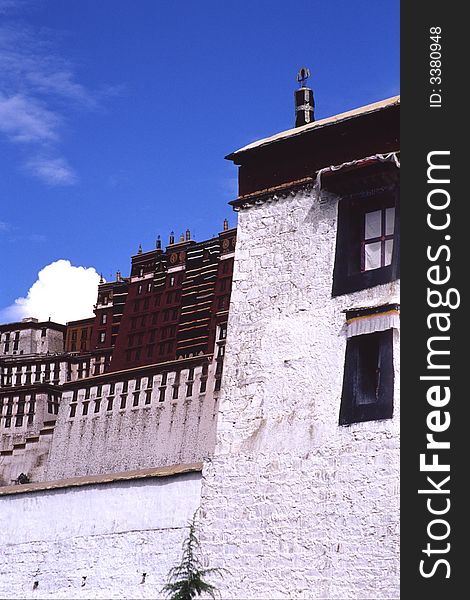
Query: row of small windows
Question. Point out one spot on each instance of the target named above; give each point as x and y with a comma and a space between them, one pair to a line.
26, 378
145, 320
170, 298
49, 372
25, 409
142, 389
172, 280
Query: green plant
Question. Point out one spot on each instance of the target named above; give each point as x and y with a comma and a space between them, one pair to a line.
186, 581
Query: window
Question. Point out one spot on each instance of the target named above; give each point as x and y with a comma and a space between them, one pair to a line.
73, 410
104, 318
123, 402
367, 242
97, 405
110, 404
102, 337
162, 394
148, 397
112, 387
43, 332
85, 408
377, 245
136, 399
368, 378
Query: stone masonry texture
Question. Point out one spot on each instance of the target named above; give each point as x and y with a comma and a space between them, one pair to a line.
294, 505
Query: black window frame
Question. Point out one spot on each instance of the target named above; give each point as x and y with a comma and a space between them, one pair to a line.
348, 275
352, 409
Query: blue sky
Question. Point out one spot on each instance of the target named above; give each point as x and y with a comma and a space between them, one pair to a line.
116, 115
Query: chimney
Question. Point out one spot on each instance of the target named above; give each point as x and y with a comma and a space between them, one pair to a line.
304, 102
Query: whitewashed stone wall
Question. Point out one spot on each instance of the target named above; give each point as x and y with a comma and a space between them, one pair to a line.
31, 341
293, 505
175, 431
95, 541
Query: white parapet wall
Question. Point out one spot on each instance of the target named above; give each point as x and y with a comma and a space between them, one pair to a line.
293, 504
108, 539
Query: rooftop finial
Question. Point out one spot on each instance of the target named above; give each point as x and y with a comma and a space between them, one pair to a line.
172, 237
188, 235
302, 76
139, 251
118, 276
159, 243
225, 225
182, 237
304, 102
101, 278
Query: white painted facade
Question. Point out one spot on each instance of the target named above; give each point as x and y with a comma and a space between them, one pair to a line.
294, 505
143, 428
95, 541
40, 338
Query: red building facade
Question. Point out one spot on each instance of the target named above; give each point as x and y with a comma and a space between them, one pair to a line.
173, 306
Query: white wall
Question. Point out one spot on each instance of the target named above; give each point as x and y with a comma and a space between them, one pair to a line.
176, 431
293, 505
109, 533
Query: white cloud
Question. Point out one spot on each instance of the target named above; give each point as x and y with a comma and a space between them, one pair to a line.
25, 119
39, 93
62, 292
54, 171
